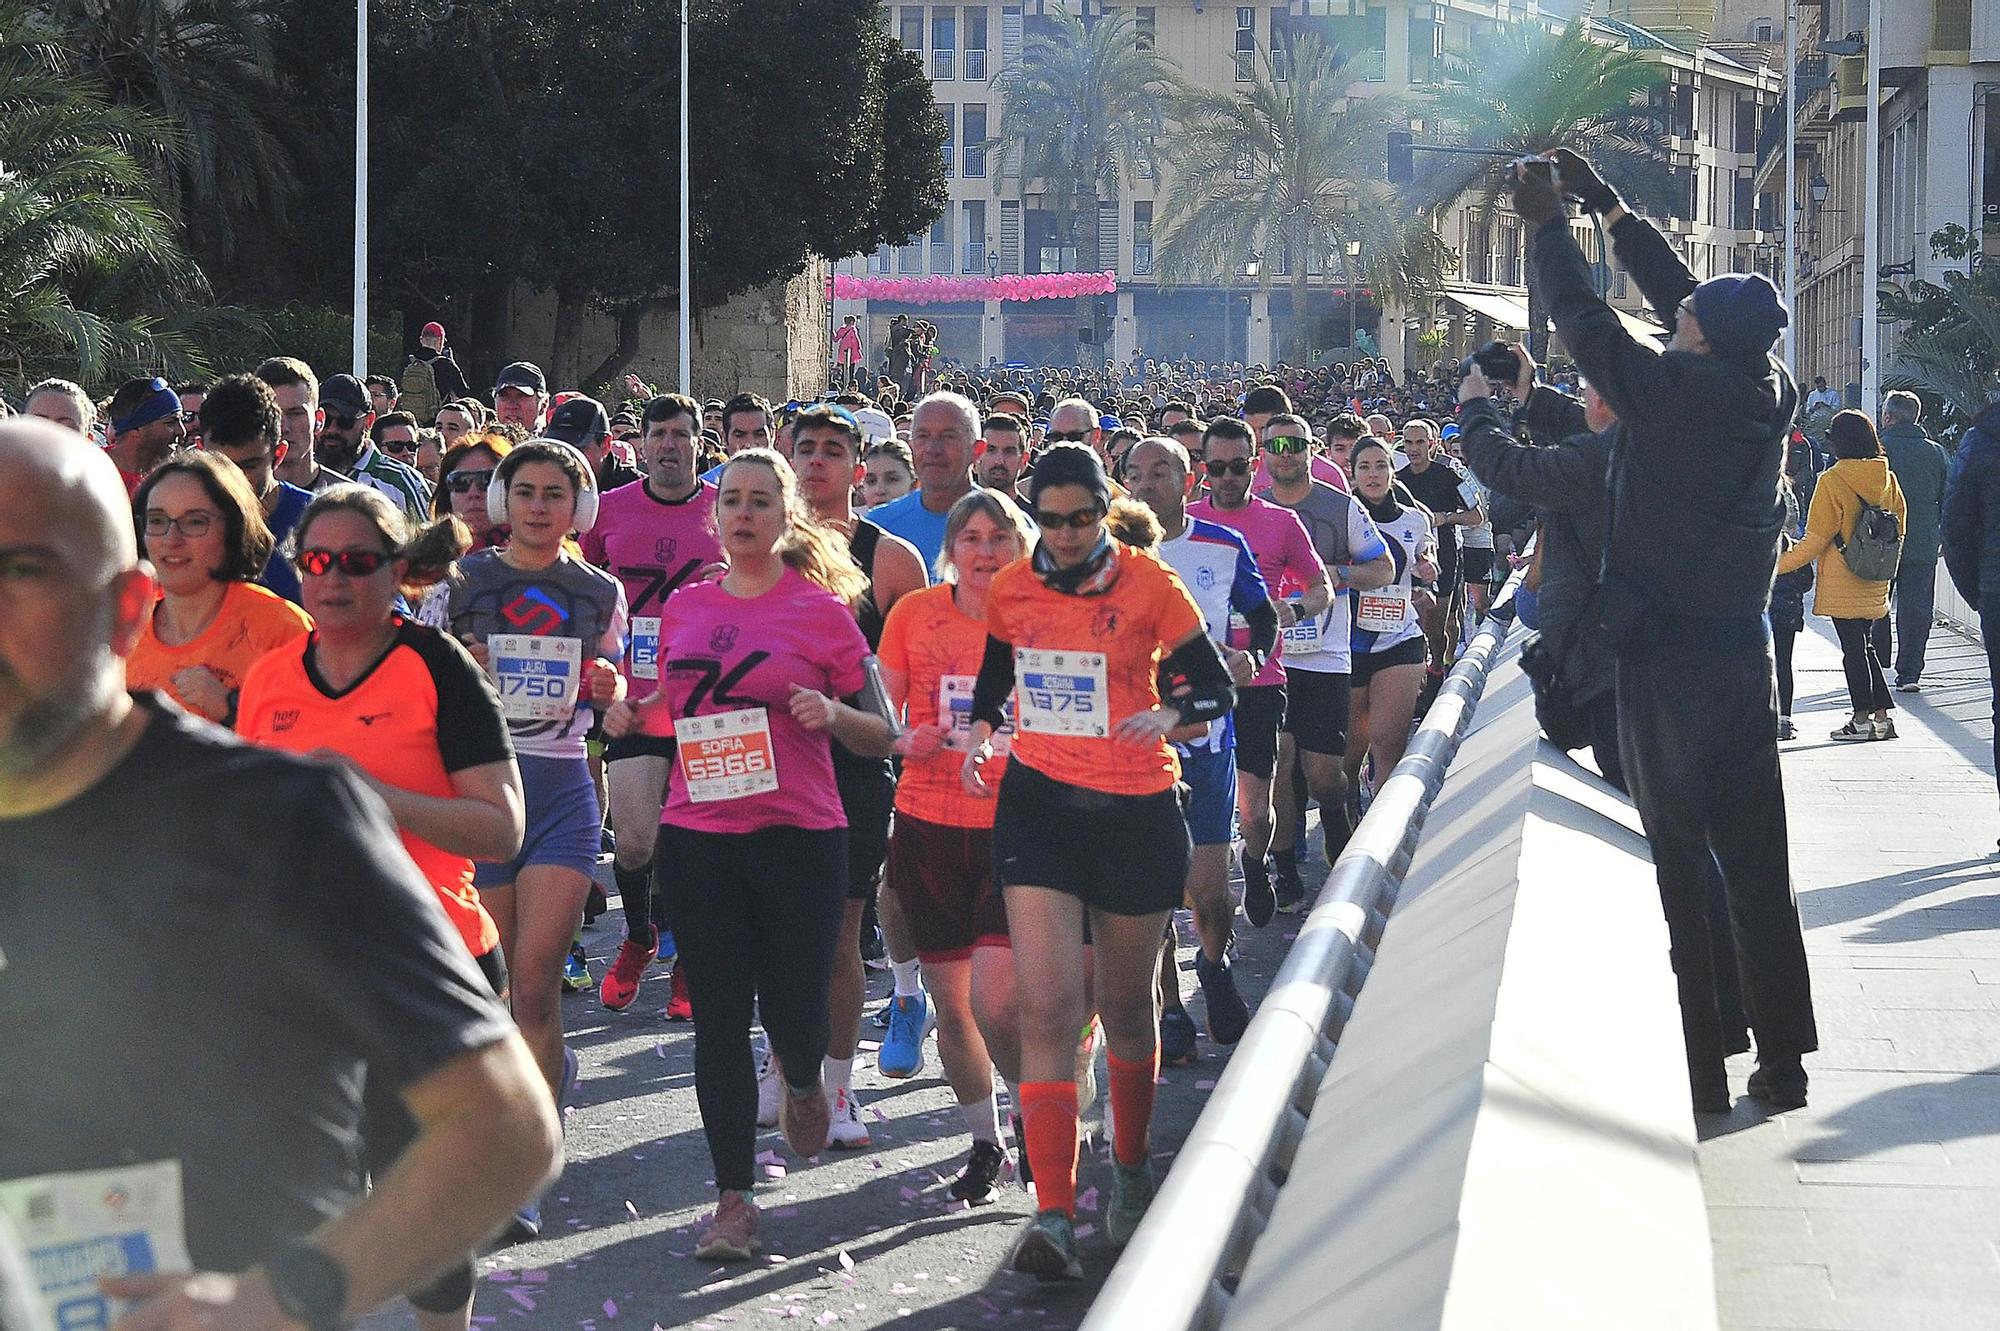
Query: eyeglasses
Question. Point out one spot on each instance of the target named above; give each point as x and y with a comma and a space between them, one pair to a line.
1287, 443
1227, 466
1075, 521
192, 525
1067, 436
354, 563
464, 482
399, 448
334, 418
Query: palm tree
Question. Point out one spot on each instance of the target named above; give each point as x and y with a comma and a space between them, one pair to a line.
1528, 90
1294, 167
89, 266
1079, 111
210, 68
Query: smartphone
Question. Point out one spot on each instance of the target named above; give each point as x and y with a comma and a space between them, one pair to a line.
1542, 167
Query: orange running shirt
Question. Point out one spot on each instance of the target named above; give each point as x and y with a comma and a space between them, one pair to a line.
937, 647
422, 712
249, 623
1132, 627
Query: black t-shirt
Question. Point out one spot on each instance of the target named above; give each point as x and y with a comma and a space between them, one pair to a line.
1436, 488
203, 956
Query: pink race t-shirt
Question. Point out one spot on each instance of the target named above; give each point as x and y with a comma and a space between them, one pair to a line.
1284, 553
730, 662
1323, 469
652, 546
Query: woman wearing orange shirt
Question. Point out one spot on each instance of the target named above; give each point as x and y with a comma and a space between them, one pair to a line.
406, 708
203, 529
1088, 823
941, 851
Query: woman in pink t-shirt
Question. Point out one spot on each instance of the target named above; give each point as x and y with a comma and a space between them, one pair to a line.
751, 670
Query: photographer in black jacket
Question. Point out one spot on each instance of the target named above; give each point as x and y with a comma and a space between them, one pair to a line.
1691, 542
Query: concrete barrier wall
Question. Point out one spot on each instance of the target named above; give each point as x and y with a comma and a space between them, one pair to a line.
1503, 1138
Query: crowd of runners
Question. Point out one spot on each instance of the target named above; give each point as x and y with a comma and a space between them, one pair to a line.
987, 685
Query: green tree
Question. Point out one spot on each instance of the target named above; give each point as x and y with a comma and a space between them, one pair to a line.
1527, 89
1292, 168
1080, 111
208, 67
92, 280
1949, 350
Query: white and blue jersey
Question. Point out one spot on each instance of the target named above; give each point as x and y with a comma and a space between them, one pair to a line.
1215, 564
1387, 617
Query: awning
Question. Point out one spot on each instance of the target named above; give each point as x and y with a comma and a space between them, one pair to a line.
1643, 329
1502, 310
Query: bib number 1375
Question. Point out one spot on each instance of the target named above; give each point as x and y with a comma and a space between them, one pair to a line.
1062, 693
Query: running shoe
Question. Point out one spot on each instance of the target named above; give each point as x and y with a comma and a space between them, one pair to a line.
1131, 1194
770, 1091
1177, 1038
978, 1184
1786, 730
1779, 1082
848, 1132
621, 981
805, 1120
1047, 1250
1862, 729
1909, 686
1228, 1014
731, 1235
668, 951
679, 1006
576, 970
873, 954
1290, 889
1885, 728
607, 845
526, 1224
1025, 1173
902, 1052
1259, 901
1086, 1070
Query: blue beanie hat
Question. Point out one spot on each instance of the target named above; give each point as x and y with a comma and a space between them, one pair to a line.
1740, 314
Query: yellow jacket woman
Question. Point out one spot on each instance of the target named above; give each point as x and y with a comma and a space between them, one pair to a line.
1836, 507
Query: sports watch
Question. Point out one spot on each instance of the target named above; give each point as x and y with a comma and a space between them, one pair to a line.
309, 1285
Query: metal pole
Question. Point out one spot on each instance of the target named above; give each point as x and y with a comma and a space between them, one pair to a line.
687, 224
360, 189
1792, 185
1871, 314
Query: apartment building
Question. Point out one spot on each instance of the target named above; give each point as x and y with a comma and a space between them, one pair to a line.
1714, 98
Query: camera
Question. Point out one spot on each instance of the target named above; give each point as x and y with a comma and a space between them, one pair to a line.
1540, 166
1500, 363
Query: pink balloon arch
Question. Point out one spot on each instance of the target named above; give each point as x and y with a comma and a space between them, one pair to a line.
931, 290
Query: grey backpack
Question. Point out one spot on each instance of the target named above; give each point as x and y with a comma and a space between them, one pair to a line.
1876, 547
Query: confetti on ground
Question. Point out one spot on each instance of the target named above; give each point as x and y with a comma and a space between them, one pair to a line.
1084, 1231
846, 1262
1207, 1084
535, 1277
1087, 1200
631, 1210
610, 1308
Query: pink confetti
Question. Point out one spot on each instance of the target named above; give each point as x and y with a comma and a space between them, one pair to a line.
877, 1114
522, 1297
827, 1318
910, 1194
1087, 1200
987, 1304
610, 1308
774, 1171
1207, 1084
1085, 1231
535, 1277
660, 1048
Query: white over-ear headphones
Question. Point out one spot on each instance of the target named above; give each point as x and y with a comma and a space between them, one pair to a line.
586, 498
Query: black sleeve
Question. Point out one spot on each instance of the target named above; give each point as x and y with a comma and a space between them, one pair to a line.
995, 682
1563, 478
450, 379
1196, 666
1263, 621
1551, 417
1633, 378
377, 954
1664, 280
471, 729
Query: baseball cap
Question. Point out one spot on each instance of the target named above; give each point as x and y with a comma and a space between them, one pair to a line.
1020, 401
524, 375
435, 330
579, 421
345, 393
875, 425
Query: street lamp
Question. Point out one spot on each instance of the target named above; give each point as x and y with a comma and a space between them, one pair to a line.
992, 263
1818, 188
1350, 254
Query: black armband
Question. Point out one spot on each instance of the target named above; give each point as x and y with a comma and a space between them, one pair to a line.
1263, 623
995, 682
1202, 688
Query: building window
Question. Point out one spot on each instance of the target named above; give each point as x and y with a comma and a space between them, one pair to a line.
975, 139
944, 42
972, 213
1145, 27
975, 45
881, 263
913, 27
941, 255
1246, 43
910, 256
1010, 34
1142, 238
950, 114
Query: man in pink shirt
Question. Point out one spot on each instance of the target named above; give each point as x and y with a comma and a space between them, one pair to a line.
1295, 574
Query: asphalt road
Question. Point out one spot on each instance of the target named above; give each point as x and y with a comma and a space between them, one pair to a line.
855, 1239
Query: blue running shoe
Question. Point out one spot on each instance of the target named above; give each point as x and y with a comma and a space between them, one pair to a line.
576, 970
1177, 1035
903, 1049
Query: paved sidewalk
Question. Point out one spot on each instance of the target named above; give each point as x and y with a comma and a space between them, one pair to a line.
1878, 1206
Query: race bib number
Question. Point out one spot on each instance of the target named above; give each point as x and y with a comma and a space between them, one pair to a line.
955, 714
645, 646
538, 677
726, 755
101, 1222
1063, 693
1304, 637
1382, 611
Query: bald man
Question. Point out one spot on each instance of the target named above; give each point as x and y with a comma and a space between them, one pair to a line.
1075, 421
155, 845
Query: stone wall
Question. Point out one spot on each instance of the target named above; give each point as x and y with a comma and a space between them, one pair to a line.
772, 340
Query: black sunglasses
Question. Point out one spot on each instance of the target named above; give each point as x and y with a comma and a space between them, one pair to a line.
461, 482
1227, 466
344, 422
1076, 521
1067, 436
401, 448
354, 563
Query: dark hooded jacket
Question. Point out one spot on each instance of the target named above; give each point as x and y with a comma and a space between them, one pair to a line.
1692, 534
1972, 510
